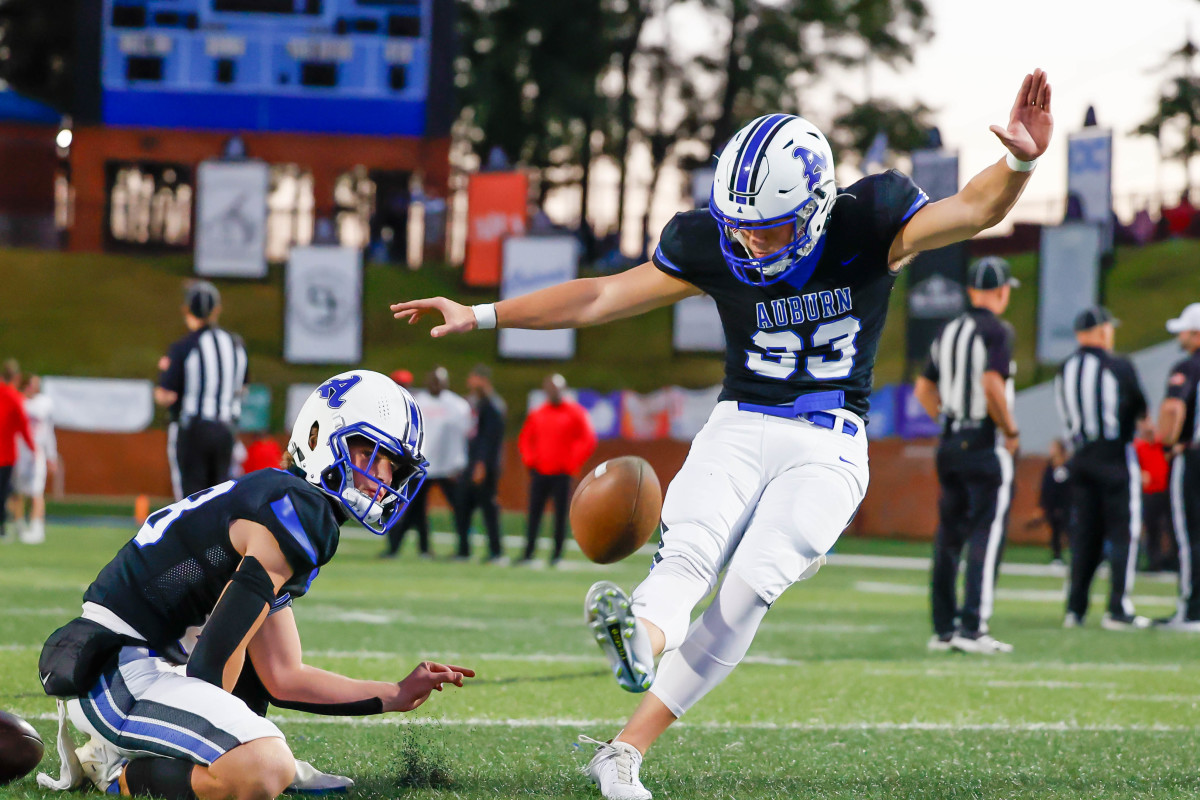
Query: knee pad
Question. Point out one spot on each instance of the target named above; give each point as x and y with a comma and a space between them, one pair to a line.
714, 645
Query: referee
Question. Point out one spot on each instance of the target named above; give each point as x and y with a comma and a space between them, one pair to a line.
200, 381
1179, 429
968, 384
1100, 401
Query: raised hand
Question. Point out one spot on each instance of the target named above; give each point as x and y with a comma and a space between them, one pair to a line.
1030, 124
427, 678
457, 317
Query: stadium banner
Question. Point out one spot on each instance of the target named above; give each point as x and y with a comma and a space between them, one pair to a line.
100, 405
911, 420
881, 421
935, 277
496, 209
256, 409
323, 320
648, 416
231, 218
696, 326
604, 410
532, 263
1089, 180
1069, 281
692, 408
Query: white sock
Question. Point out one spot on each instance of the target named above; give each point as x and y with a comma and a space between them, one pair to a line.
714, 645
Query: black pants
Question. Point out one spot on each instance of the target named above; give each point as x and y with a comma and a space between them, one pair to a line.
1105, 507
204, 449
480, 496
976, 488
541, 488
1158, 536
1059, 531
416, 516
1185, 510
5, 488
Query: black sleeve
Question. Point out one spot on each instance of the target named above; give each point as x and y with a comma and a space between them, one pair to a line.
1182, 381
895, 198
248, 593
171, 378
1133, 386
931, 371
997, 339
671, 255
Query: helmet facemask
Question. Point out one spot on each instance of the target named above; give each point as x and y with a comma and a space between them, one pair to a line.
378, 508
772, 267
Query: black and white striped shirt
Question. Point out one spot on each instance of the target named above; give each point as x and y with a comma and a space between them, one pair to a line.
1184, 384
207, 369
1099, 398
971, 344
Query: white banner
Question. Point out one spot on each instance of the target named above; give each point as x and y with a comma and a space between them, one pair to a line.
1089, 178
1069, 277
100, 405
531, 263
324, 306
696, 327
231, 219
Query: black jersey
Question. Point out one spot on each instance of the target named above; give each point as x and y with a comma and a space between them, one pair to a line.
1184, 384
783, 341
168, 578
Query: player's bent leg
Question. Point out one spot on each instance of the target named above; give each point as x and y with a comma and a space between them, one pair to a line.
256, 770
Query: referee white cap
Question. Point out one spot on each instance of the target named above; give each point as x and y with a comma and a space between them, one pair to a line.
1189, 320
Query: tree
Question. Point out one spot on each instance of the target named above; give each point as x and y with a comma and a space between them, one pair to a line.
907, 129
1179, 106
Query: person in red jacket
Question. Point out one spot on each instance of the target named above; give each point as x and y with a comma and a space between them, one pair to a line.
13, 423
1157, 531
555, 441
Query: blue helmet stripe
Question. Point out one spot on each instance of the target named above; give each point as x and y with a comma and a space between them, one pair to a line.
752, 153
737, 162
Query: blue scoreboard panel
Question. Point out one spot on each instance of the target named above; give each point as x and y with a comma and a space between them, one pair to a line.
321, 66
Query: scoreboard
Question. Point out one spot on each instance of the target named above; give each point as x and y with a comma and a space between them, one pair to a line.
378, 67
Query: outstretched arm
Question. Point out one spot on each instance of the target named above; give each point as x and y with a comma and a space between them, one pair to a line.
989, 196
574, 304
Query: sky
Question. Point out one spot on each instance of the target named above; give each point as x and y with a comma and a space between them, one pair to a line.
1105, 53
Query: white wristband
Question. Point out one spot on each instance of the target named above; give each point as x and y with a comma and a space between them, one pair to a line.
1017, 165
485, 315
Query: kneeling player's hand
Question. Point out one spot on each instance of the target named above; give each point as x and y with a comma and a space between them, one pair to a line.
458, 318
427, 678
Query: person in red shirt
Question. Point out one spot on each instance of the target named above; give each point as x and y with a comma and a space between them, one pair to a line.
555, 441
1156, 501
13, 423
263, 453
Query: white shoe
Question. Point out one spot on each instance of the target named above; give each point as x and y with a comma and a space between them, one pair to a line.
614, 769
310, 780
1072, 620
1178, 623
982, 644
33, 533
1111, 623
102, 763
937, 644
606, 609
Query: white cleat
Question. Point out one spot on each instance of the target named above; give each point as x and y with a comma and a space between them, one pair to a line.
614, 769
311, 781
1072, 620
939, 644
622, 638
102, 763
981, 644
1124, 623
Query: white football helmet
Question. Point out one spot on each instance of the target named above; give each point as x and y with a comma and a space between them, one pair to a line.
778, 170
361, 404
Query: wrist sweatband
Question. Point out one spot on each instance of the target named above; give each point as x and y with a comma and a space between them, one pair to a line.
485, 315
247, 595
1017, 165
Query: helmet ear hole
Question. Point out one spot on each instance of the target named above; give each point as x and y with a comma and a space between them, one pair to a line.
312, 435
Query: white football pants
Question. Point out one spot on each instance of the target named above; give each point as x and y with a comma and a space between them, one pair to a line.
763, 495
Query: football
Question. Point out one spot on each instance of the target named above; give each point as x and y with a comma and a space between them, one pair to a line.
616, 508
20, 748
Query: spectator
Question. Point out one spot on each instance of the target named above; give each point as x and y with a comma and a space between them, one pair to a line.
556, 440
447, 420
485, 447
1179, 218
403, 379
263, 453
13, 423
1161, 552
1054, 499
35, 465
200, 382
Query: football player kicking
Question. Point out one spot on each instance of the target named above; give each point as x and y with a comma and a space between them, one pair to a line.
176, 716
801, 272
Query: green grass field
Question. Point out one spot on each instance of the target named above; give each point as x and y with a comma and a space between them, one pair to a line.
837, 699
